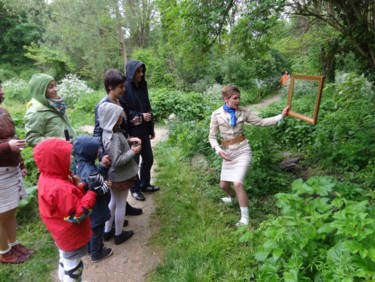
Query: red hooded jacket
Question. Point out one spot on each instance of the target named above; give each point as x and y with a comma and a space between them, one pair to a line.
59, 199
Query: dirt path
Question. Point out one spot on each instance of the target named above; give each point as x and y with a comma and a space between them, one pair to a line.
266, 102
134, 259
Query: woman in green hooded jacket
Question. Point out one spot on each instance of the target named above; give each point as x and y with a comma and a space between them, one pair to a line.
46, 115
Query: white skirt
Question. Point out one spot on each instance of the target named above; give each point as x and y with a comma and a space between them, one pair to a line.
11, 185
236, 169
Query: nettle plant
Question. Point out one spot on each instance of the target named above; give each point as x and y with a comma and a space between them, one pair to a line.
71, 88
321, 235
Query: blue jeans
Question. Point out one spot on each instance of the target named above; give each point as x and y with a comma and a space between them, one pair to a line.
96, 241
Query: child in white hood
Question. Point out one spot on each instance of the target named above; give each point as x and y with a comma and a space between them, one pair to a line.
124, 170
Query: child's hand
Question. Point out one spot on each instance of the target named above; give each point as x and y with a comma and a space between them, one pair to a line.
133, 140
136, 148
76, 180
106, 160
109, 183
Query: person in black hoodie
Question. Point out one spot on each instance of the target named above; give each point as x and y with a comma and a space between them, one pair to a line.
136, 104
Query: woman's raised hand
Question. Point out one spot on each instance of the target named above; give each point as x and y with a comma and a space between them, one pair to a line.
17, 145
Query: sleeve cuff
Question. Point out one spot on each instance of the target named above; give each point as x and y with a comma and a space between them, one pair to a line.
217, 149
279, 118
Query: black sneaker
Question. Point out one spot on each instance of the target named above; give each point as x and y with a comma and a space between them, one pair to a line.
132, 210
108, 235
106, 252
150, 188
125, 235
126, 223
138, 196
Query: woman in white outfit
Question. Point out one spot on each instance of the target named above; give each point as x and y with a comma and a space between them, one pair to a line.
234, 148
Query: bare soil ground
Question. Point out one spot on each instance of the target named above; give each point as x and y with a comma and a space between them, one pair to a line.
266, 102
134, 259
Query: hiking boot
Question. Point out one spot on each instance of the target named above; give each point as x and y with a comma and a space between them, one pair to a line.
106, 252
132, 210
13, 257
19, 248
125, 235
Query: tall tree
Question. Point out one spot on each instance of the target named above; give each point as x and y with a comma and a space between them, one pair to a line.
139, 15
16, 31
353, 19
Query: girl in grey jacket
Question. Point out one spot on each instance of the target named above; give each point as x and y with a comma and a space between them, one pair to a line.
124, 170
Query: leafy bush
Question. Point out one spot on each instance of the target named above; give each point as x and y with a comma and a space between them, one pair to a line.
157, 72
17, 89
345, 137
212, 94
321, 235
264, 176
87, 101
71, 87
190, 136
187, 106
7, 72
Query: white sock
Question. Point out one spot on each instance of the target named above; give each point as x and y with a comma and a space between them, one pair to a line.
13, 244
5, 251
244, 215
228, 199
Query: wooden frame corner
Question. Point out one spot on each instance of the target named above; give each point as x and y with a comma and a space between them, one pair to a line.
320, 79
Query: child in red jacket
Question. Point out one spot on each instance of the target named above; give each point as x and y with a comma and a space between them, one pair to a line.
64, 205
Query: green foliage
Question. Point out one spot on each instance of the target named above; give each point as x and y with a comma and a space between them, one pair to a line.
195, 229
158, 73
50, 60
17, 90
71, 87
16, 30
186, 105
84, 111
264, 177
32, 233
191, 136
349, 144
87, 101
320, 234
32, 172
85, 37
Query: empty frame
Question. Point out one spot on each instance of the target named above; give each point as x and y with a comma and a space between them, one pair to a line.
308, 88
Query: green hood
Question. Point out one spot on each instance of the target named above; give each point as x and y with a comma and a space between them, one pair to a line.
38, 85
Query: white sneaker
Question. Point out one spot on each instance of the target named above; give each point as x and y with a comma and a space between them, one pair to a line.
228, 200
242, 223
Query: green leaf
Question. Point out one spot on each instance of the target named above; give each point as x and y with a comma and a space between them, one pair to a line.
371, 253
276, 253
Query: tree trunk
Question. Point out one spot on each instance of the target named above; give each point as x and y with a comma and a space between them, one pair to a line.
121, 38
328, 60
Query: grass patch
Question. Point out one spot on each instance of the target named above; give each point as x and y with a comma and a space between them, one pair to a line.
32, 233
197, 232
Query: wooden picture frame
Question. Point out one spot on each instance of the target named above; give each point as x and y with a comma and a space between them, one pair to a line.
313, 78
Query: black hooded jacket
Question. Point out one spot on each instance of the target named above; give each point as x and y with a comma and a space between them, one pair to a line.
135, 99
